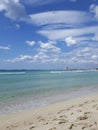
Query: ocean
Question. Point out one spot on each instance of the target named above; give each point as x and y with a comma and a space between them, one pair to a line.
26, 89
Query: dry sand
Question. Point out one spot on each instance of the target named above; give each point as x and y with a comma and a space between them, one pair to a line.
76, 114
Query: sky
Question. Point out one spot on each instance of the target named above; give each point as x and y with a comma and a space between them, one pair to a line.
48, 34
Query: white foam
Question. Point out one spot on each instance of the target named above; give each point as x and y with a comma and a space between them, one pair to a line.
57, 72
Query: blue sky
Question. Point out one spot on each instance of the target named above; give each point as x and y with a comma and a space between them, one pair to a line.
48, 34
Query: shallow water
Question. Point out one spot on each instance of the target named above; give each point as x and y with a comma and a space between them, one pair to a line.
21, 90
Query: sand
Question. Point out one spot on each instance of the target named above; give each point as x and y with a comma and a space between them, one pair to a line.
75, 114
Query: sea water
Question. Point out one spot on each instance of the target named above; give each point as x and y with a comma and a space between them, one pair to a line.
25, 89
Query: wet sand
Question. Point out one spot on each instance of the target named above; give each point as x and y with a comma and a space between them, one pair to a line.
75, 114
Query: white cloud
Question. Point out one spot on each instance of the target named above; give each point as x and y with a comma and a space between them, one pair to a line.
40, 2
94, 10
94, 57
30, 43
48, 47
57, 17
20, 58
62, 34
96, 13
81, 56
43, 2
40, 57
47, 53
13, 9
4, 48
77, 56
70, 41
17, 26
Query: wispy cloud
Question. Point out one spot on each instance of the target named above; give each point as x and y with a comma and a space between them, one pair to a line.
4, 48
43, 2
15, 10
30, 43
17, 26
40, 2
61, 17
20, 58
62, 34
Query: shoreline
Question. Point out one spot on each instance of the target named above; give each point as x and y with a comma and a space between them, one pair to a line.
47, 100
72, 114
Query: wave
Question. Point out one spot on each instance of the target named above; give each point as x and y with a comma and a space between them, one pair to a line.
57, 72
78, 71
11, 73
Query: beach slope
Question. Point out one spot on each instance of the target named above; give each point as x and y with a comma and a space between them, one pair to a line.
75, 114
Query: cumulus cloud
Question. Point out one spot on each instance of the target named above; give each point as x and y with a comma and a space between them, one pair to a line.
30, 43
13, 9
47, 53
82, 55
48, 47
20, 58
70, 41
77, 56
4, 48
94, 11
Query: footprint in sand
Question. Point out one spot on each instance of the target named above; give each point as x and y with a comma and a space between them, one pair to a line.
60, 121
8, 128
69, 108
54, 128
79, 110
40, 118
61, 111
71, 126
86, 102
93, 100
86, 125
87, 113
84, 117
32, 127
80, 105
63, 116
45, 123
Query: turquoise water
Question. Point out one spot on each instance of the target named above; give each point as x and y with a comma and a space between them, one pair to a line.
21, 90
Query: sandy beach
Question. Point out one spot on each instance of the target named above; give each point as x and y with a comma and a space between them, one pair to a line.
75, 114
